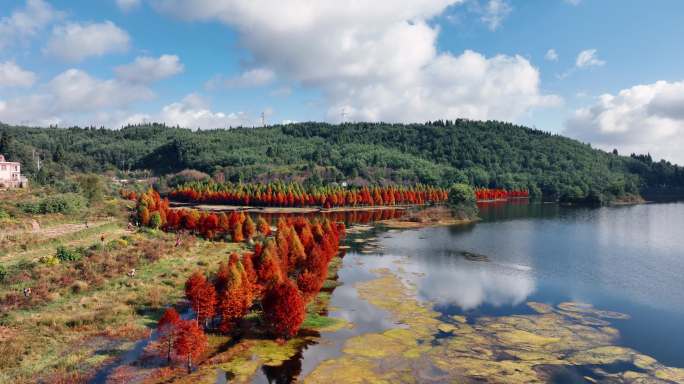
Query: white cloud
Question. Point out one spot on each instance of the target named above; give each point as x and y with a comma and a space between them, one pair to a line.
145, 70
252, 78
74, 42
495, 12
551, 55
191, 112
644, 118
378, 60
588, 58
573, 2
25, 23
12, 75
75, 90
127, 5
73, 97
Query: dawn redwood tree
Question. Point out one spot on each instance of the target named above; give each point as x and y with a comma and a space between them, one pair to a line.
237, 233
249, 228
202, 296
236, 295
190, 341
263, 226
309, 285
269, 270
284, 308
167, 329
297, 254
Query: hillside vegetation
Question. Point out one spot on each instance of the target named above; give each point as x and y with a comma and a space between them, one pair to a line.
483, 154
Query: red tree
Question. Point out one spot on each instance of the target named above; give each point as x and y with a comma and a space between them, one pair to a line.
167, 329
263, 226
237, 233
249, 228
202, 296
235, 298
284, 308
309, 285
190, 341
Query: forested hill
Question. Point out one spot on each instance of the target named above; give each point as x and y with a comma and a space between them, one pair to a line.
491, 154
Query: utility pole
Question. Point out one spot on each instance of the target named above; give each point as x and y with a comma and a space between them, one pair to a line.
263, 119
36, 159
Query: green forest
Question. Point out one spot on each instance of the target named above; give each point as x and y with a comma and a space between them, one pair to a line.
483, 154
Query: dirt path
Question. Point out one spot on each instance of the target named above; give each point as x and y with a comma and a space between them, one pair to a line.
71, 235
57, 230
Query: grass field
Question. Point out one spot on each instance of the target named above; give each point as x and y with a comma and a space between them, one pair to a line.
63, 334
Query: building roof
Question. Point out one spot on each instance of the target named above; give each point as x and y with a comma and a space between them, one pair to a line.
2, 160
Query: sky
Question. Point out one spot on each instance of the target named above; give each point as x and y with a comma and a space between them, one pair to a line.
606, 72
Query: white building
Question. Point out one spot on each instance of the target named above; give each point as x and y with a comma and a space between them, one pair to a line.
10, 174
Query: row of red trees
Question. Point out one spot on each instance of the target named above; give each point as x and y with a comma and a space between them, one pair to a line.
153, 211
284, 272
296, 195
484, 194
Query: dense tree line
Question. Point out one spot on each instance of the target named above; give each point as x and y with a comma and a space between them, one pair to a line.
483, 154
281, 194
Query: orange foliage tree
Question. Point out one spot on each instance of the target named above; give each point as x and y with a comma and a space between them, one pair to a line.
202, 296
190, 342
284, 308
167, 329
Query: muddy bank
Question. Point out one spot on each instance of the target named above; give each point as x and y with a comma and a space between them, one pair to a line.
429, 217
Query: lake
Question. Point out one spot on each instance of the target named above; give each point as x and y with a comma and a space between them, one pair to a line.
628, 260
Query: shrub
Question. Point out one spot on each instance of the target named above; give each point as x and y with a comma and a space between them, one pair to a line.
64, 203
461, 194
49, 260
3, 273
462, 201
65, 254
4, 214
92, 187
155, 220
79, 286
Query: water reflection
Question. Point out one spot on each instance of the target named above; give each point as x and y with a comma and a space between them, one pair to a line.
345, 304
469, 286
625, 259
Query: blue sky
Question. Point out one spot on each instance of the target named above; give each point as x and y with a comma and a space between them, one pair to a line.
613, 78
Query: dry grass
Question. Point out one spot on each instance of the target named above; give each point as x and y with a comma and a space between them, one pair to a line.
92, 318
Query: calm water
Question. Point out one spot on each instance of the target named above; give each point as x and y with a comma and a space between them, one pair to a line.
625, 259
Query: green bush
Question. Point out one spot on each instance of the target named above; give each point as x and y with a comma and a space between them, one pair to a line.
65, 254
462, 201
461, 194
4, 214
65, 203
155, 220
3, 273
